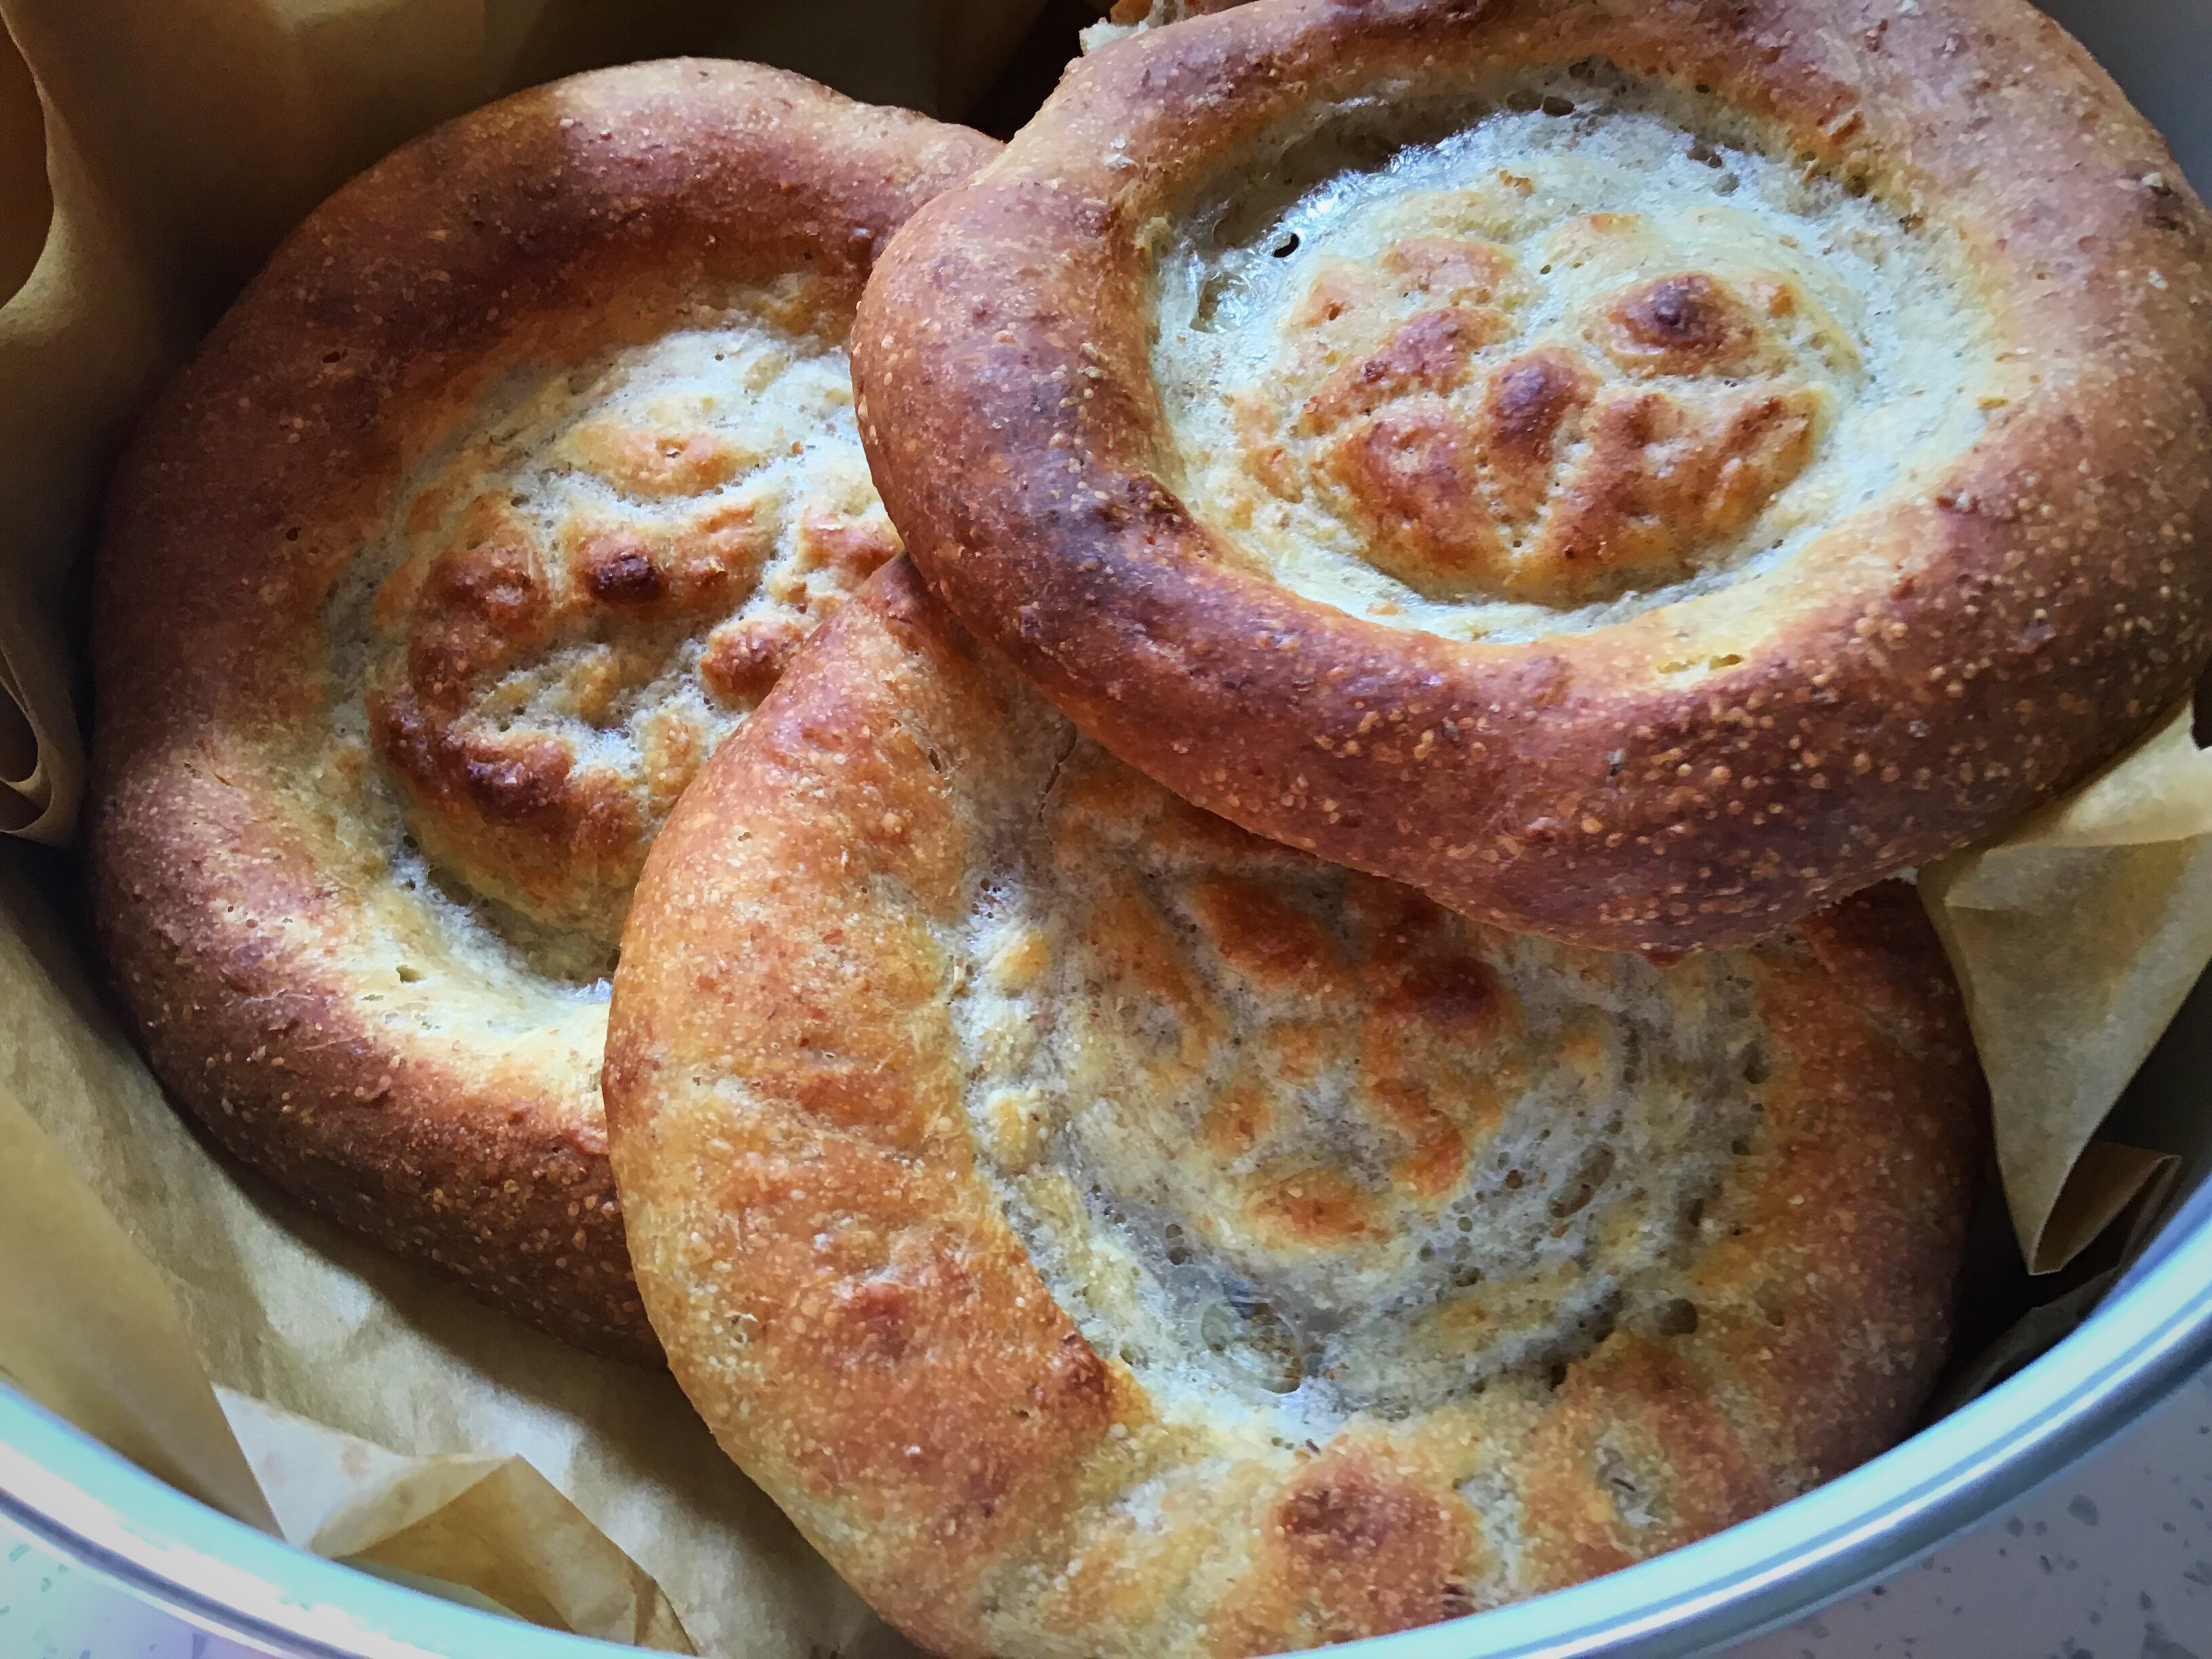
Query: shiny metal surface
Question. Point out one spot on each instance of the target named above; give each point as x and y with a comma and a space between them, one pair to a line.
2151, 1334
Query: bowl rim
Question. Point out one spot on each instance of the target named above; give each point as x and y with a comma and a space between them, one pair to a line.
2150, 1334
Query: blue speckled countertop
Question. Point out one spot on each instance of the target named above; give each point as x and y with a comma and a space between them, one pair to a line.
2112, 1560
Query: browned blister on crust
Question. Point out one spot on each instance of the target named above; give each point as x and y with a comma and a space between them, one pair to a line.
498, 499
1731, 452
1105, 1230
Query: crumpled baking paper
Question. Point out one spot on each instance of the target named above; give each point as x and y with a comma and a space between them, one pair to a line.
2076, 937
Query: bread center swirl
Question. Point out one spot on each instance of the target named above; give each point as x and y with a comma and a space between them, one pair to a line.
590, 585
1298, 1133
1572, 358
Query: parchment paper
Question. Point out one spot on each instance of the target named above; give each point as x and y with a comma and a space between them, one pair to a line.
2076, 937
285, 1374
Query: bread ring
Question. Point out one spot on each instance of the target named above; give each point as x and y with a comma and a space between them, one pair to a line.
1107, 1231
1636, 472
497, 499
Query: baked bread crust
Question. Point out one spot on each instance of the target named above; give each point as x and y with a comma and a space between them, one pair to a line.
881, 1283
1972, 639
421, 1065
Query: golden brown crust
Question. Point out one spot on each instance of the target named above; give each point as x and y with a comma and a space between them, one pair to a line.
862, 1296
299, 985
1944, 656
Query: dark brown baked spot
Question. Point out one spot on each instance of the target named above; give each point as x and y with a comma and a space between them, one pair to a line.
619, 570
1684, 324
516, 782
1530, 400
481, 601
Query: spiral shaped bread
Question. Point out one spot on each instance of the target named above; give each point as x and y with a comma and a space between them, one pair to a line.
496, 501
1106, 1231
1636, 472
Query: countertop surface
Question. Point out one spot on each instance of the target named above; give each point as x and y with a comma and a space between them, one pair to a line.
2112, 1559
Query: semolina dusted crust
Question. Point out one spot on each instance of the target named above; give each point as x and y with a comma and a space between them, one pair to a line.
1107, 1232
493, 504
1611, 557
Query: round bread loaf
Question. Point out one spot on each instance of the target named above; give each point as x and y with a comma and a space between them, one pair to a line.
1636, 472
495, 502
1106, 1231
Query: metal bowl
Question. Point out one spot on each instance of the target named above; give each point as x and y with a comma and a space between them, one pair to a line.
2151, 1333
